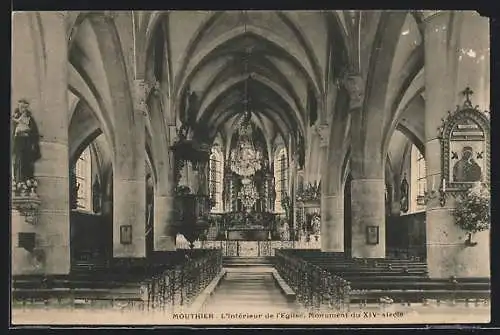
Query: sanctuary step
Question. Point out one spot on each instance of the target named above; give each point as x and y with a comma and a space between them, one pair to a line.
249, 292
247, 261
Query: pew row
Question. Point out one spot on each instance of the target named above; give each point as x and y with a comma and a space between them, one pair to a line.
172, 280
330, 279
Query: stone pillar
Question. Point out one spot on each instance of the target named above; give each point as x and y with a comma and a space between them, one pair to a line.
42, 79
323, 133
368, 210
332, 223
367, 170
129, 180
165, 235
456, 56
332, 205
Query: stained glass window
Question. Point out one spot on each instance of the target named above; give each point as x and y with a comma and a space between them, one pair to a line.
83, 171
280, 177
216, 179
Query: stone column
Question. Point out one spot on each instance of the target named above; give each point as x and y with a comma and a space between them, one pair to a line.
42, 79
368, 210
332, 223
456, 56
332, 205
368, 185
165, 235
129, 180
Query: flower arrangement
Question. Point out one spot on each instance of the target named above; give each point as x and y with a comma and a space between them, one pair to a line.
25, 188
472, 212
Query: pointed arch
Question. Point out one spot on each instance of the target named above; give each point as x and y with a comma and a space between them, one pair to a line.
192, 64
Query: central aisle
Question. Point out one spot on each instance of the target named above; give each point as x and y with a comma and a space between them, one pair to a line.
249, 289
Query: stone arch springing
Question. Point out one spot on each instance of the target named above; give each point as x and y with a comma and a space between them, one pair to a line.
367, 159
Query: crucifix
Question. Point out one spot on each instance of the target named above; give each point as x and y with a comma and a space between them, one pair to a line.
467, 93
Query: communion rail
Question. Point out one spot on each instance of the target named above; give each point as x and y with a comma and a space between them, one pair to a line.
314, 286
180, 285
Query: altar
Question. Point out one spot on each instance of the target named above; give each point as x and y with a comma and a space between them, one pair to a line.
248, 234
254, 248
253, 226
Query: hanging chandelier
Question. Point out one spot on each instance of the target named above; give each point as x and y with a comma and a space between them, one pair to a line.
245, 159
248, 193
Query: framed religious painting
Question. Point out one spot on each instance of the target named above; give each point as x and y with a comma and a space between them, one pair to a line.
126, 234
372, 235
465, 142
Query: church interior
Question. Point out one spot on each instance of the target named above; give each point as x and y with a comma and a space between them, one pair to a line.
289, 160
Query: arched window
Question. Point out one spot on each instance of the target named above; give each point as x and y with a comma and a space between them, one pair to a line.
216, 178
83, 172
280, 178
418, 184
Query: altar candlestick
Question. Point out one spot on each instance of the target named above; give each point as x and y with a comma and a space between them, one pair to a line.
444, 185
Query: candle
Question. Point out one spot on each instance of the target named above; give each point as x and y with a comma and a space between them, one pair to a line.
444, 185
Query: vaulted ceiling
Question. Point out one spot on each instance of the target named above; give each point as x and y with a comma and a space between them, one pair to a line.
284, 62
278, 60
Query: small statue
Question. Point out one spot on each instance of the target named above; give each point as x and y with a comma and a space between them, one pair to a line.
316, 224
74, 187
25, 143
404, 200
96, 196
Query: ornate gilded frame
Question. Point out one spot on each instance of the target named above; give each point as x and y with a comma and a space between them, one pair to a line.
468, 116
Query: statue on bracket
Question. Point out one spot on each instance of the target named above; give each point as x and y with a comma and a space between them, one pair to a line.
465, 146
25, 152
404, 199
25, 143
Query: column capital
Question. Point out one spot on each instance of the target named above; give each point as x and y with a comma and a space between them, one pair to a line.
354, 84
323, 131
141, 92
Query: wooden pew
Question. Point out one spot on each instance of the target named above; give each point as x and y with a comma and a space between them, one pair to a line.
374, 280
123, 281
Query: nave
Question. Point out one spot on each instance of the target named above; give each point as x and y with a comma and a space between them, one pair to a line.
252, 290
167, 161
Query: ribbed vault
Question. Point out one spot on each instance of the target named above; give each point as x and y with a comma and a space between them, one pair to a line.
229, 57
